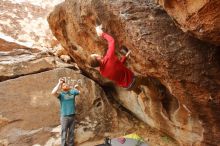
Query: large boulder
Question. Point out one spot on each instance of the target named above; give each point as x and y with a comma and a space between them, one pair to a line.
199, 17
29, 111
30, 114
182, 66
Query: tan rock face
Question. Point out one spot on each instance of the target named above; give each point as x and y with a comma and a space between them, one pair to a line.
186, 69
29, 113
26, 104
17, 60
25, 22
199, 17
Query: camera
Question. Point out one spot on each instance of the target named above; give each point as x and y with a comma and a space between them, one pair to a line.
71, 82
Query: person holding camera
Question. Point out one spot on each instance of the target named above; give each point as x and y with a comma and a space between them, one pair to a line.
67, 109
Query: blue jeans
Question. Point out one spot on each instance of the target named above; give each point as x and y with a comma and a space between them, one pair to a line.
67, 130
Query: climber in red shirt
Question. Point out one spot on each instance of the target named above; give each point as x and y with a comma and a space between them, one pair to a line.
114, 69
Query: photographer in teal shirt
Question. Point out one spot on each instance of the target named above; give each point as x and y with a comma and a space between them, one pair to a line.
67, 109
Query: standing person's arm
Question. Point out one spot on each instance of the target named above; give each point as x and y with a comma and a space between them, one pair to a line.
56, 88
76, 87
110, 39
75, 91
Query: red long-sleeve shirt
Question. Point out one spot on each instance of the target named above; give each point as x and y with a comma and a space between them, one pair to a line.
113, 68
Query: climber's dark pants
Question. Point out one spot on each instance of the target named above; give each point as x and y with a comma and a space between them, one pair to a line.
137, 81
67, 130
158, 90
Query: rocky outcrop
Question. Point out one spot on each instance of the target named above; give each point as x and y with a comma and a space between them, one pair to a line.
29, 108
17, 60
185, 69
28, 72
26, 43
29, 115
25, 22
200, 17
29, 112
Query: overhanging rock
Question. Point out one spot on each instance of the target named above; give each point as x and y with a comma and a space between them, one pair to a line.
185, 67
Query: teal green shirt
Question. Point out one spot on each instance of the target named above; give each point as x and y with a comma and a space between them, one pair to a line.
67, 102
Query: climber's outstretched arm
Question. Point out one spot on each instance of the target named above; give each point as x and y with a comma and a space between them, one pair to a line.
111, 44
110, 39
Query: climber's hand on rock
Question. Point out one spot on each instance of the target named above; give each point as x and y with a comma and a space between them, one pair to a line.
99, 30
128, 53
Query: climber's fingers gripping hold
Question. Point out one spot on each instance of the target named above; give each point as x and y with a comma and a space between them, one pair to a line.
99, 30
128, 53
